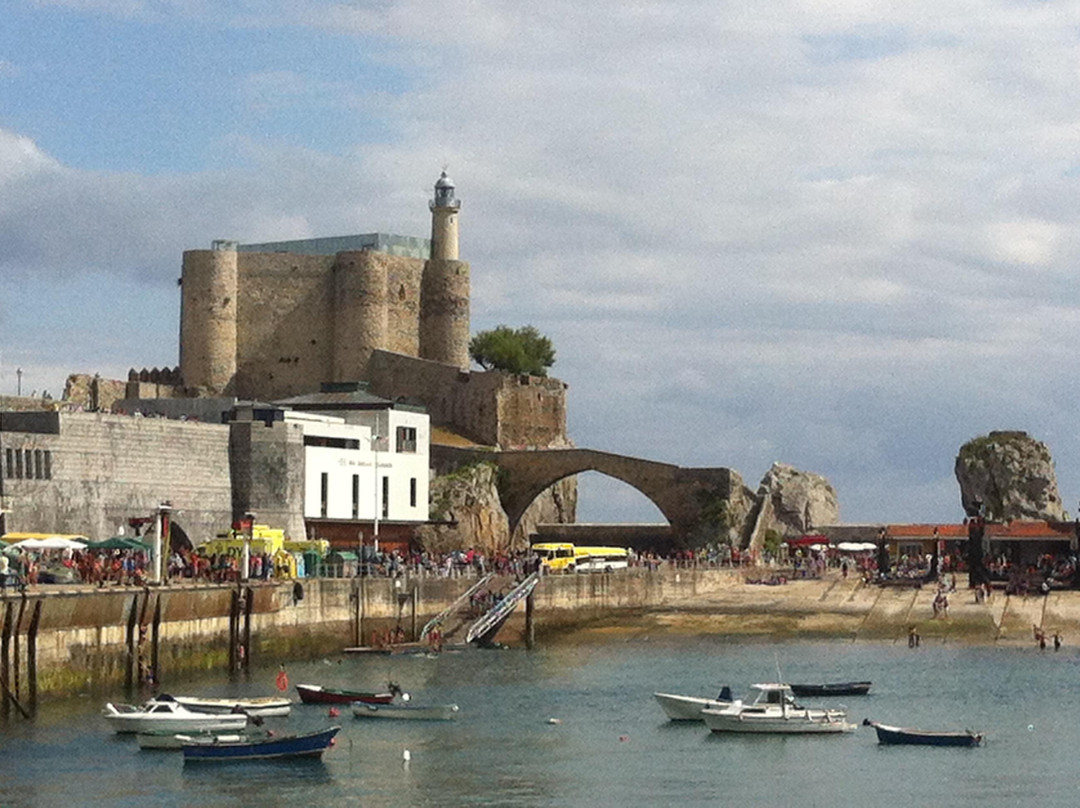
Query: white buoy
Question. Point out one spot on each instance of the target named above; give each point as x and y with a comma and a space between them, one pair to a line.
554, 720
405, 697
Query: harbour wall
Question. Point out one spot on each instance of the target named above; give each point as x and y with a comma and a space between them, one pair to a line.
83, 639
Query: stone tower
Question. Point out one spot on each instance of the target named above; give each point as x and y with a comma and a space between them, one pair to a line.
208, 318
444, 291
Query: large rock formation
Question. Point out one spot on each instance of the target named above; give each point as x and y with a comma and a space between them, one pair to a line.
467, 498
1012, 474
791, 502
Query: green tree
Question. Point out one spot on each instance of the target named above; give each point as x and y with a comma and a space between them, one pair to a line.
520, 350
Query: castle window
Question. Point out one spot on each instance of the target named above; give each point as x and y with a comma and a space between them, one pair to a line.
18, 464
39, 471
48, 464
401, 293
9, 468
406, 439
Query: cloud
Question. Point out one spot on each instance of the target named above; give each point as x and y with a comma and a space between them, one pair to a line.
835, 234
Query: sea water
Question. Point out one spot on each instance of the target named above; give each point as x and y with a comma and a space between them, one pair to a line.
577, 725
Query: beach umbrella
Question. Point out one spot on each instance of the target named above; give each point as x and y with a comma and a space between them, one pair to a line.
119, 543
51, 543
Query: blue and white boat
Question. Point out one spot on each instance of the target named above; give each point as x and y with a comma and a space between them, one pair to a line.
277, 747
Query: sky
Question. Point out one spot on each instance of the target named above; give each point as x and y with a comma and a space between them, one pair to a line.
838, 234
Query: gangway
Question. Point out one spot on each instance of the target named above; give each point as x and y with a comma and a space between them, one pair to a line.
442, 616
483, 631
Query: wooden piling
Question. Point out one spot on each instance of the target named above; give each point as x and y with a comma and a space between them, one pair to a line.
530, 623
249, 605
414, 634
5, 660
16, 656
31, 655
132, 657
155, 639
234, 630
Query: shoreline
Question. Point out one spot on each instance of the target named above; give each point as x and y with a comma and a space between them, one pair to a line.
827, 608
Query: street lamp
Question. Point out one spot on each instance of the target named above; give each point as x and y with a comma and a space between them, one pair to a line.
375, 438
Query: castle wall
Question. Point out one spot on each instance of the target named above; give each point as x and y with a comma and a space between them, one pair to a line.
267, 468
488, 407
284, 334
104, 469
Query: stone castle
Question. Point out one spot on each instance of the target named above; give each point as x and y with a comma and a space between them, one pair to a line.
269, 321
276, 320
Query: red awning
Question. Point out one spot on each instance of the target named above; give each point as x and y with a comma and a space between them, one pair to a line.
804, 541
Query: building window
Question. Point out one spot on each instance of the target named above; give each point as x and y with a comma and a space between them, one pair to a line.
385, 497
18, 464
9, 468
39, 466
356, 496
324, 493
28, 465
48, 465
412, 492
406, 439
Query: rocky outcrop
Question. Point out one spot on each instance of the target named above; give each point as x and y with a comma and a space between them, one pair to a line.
1013, 476
467, 500
791, 502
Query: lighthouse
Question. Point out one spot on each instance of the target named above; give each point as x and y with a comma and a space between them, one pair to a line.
444, 220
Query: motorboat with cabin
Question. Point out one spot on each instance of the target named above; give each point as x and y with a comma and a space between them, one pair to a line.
688, 708
775, 710
164, 712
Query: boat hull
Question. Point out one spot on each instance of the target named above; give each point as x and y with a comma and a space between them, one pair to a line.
175, 740
310, 745
406, 712
795, 722
263, 707
900, 736
126, 719
314, 694
687, 708
832, 689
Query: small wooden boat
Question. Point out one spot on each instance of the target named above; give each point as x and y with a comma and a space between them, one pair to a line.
416, 712
164, 712
832, 689
265, 706
899, 735
274, 747
171, 739
316, 694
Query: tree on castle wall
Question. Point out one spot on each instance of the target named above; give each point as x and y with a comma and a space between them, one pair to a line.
521, 350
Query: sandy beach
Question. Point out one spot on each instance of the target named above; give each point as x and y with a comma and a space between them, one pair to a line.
842, 608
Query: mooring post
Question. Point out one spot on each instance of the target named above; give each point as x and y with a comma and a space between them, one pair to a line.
249, 604
412, 606
5, 660
155, 638
31, 654
16, 654
360, 612
234, 629
133, 618
530, 626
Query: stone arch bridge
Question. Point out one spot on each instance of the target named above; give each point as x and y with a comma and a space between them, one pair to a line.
679, 493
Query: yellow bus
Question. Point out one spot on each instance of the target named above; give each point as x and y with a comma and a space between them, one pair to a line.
566, 557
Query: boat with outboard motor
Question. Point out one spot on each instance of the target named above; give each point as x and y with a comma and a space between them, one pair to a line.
164, 712
316, 694
688, 708
891, 735
774, 710
406, 711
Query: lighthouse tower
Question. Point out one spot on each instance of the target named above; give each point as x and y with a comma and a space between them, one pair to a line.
444, 289
444, 220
